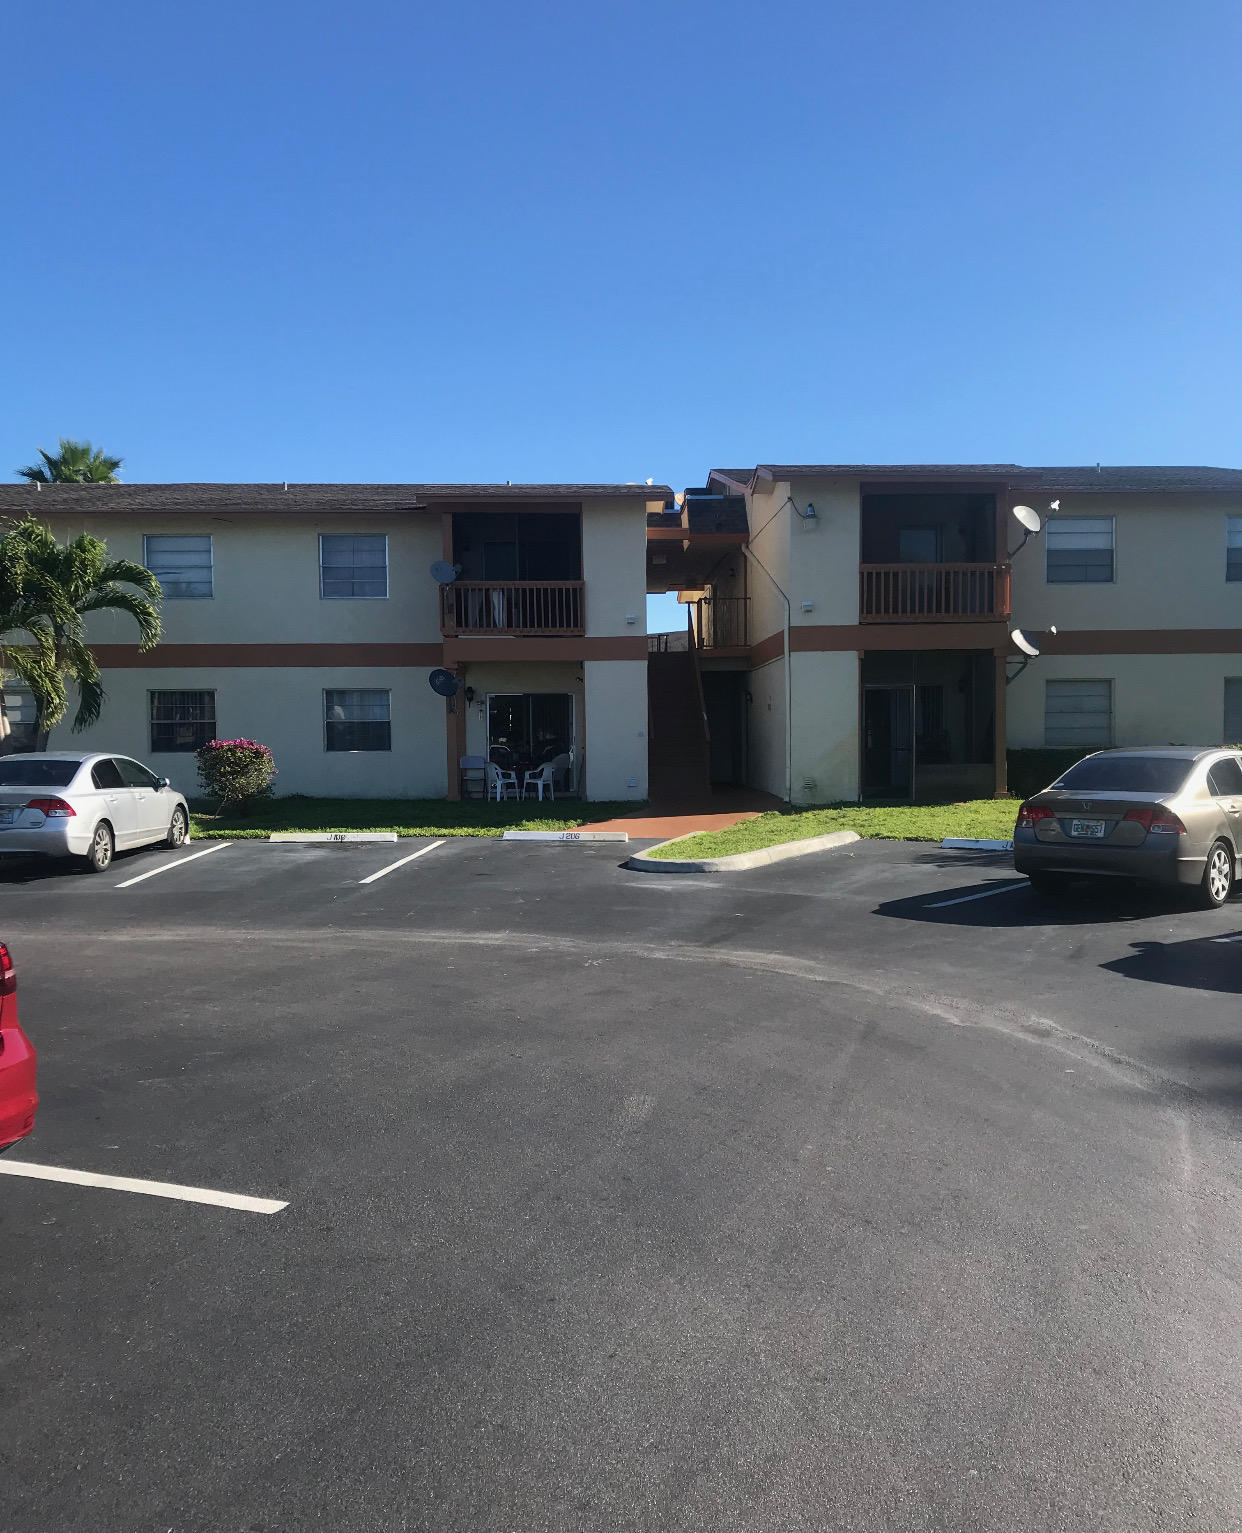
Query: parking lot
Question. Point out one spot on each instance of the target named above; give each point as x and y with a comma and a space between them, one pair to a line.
863, 1191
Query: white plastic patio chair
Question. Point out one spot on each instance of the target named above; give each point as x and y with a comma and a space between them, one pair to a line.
501, 784
539, 779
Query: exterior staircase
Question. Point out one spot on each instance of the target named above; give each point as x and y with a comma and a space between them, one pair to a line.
678, 754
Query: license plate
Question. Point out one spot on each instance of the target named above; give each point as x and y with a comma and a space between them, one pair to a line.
1087, 827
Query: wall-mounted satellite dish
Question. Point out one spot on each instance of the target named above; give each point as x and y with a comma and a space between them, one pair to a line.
443, 572
1028, 517
1029, 643
444, 683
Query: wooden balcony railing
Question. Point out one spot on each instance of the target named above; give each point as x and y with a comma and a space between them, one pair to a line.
720, 622
524, 607
933, 593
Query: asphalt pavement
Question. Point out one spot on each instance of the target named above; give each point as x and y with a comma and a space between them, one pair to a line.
861, 1192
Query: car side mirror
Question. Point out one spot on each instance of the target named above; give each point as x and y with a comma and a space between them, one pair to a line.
165, 783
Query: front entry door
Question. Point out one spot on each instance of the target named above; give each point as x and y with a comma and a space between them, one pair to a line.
888, 741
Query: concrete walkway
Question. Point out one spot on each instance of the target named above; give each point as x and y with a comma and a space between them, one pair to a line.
664, 821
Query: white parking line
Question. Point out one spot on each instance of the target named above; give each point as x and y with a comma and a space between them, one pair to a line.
180, 862
401, 862
986, 894
1237, 937
137, 1184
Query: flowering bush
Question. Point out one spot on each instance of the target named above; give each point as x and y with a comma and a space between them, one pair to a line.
235, 771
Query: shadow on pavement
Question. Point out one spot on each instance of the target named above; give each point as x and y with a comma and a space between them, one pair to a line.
1202, 963
982, 904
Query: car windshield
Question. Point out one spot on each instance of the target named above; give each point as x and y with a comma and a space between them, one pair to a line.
1127, 774
21, 772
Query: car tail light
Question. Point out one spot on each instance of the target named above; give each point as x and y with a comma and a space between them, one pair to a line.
1030, 815
8, 974
53, 808
1157, 821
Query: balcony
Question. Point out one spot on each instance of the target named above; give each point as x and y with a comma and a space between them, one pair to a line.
520, 608
720, 622
933, 593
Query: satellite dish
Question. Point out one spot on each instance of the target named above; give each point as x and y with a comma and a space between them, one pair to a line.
1029, 643
444, 683
1028, 518
443, 572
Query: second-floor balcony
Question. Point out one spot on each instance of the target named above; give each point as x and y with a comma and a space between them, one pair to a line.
720, 622
521, 608
933, 593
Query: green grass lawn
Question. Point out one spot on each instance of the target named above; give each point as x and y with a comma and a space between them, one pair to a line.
407, 816
981, 818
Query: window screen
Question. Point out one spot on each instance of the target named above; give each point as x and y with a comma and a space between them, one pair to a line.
1080, 550
353, 568
357, 721
1078, 713
1233, 711
181, 564
181, 721
1233, 548
19, 712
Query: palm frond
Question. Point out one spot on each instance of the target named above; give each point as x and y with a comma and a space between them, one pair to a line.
114, 599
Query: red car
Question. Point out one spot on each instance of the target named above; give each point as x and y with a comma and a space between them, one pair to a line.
18, 1097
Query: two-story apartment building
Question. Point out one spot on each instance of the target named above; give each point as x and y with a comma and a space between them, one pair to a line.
862, 616
310, 617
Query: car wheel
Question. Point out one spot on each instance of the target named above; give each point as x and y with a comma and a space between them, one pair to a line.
178, 829
1048, 884
1217, 883
99, 858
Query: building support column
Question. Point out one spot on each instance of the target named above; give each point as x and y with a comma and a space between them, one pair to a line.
455, 734
1000, 662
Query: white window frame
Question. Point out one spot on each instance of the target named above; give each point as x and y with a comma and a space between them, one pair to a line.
1086, 746
154, 692
1233, 527
211, 564
1059, 523
354, 751
323, 596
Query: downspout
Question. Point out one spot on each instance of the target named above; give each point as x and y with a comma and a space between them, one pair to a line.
756, 560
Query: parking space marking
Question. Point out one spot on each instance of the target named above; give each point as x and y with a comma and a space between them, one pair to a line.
180, 862
401, 862
986, 894
138, 1184
1237, 937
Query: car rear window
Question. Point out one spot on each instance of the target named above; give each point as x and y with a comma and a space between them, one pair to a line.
1127, 774
20, 772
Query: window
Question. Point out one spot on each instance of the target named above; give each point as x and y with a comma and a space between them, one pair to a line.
21, 772
181, 721
1233, 548
182, 564
1127, 774
104, 774
353, 568
1080, 550
1225, 778
135, 776
19, 713
1078, 713
357, 721
918, 545
1233, 710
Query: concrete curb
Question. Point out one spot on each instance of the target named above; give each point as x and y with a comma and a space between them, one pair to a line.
565, 835
333, 835
645, 863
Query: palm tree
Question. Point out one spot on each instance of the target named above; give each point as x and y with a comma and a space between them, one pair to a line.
53, 587
75, 463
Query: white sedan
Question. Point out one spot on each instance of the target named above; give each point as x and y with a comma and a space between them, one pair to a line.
75, 804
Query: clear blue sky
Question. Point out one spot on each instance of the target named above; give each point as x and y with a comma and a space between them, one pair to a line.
395, 241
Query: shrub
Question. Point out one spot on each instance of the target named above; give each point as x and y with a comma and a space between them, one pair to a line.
1030, 771
235, 772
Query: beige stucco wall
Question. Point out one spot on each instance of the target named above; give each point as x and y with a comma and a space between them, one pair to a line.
284, 708
1169, 565
765, 751
825, 727
616, 729
266, 581
614, 567
1157, 699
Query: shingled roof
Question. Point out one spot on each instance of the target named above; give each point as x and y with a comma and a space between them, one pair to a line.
1101, 479
279, 499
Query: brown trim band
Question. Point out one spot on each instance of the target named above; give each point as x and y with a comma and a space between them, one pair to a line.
465, 649
823, 638
248, 656
767, 649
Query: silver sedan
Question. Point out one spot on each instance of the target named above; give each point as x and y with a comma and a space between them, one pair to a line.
1171, 816
76, 804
